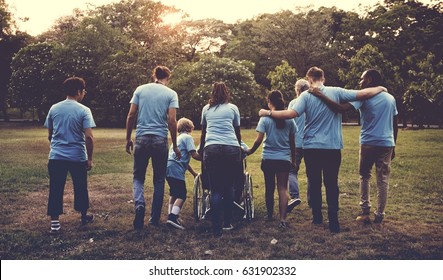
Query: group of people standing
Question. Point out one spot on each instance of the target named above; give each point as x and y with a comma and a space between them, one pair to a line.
310, 127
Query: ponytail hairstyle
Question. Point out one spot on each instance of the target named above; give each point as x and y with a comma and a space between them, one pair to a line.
160, 73
275, 97
220, 94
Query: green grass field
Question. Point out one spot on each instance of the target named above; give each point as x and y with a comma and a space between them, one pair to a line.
412, 228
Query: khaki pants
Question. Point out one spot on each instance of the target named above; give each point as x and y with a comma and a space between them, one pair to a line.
381, 157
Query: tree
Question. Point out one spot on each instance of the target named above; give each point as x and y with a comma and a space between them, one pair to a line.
11, 41
424, 95
193, 83
29, 86
283, 78
370, 57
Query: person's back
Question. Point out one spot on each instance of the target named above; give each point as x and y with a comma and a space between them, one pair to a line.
68, 119
153, 100
276, 146
322, 125
377, 114
219, 121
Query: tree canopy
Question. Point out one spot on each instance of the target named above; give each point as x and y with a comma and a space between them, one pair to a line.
115, 46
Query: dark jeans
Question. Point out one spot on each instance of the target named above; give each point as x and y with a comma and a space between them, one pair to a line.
147, 147
58, 171
270, 169
222, 163
326, 163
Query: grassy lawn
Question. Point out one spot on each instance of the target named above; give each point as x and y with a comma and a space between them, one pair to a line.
413, 228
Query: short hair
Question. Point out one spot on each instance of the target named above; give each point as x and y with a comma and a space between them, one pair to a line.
315, 73
220, 94
161, 72
184, 125
376, 79
301, 86
72, 85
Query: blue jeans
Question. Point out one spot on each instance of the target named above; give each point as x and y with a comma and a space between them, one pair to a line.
147, 147
293, 176
222, 163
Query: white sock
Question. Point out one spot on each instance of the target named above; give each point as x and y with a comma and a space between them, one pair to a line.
170, 208
175, 210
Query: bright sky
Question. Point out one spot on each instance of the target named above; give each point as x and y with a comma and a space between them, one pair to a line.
43, 13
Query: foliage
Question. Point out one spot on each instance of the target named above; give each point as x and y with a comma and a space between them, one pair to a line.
30, 85
114, 46
283, 79
11, 41
193, 83
424, 96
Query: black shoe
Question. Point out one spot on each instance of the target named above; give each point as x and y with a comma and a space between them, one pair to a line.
292, 204
87, 219
139, 219
283, 225
378, 219
334, 227
153, 222
174, 222
317, 217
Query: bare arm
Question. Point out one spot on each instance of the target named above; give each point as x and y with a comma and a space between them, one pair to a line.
281, 114
369, 92
172, 126
192, 170
395, 125
196, 156
238, 134
334, 106
49, 134
130, 122
202, 140
292, 145
89, 139
257, 142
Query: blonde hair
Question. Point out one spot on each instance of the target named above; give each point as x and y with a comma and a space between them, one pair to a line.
184, 125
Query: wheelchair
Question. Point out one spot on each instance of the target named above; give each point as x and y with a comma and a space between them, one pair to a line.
202, 195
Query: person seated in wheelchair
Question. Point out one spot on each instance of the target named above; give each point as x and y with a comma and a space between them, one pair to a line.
238, 186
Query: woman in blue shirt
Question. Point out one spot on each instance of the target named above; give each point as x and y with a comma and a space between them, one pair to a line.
220, 140
278, 154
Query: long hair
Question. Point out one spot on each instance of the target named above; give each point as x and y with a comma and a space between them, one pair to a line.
220, 94
275, 97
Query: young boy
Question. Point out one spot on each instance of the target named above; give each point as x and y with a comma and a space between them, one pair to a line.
175, 174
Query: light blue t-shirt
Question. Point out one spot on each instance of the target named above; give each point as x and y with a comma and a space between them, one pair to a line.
276, 145
68, 119
376, 115
177, 168
220, 121
300, 122
322, 125
153, 101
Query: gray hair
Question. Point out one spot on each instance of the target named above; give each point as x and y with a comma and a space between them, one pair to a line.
300, 86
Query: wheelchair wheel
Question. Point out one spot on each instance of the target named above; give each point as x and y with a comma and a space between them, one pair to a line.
200, 199
248, 198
